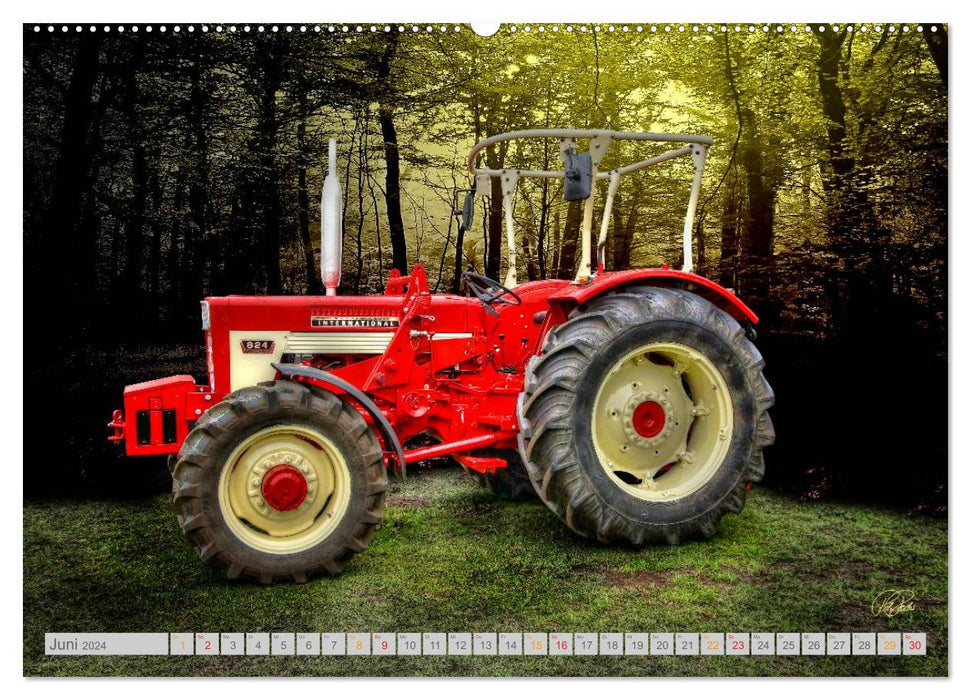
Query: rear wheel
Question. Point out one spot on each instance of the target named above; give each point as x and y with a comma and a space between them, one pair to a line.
645, 417
280, 482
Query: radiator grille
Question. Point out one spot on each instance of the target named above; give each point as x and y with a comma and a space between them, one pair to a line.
338, 343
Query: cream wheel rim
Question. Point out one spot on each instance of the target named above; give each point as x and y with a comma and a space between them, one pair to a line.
284, 489
662, 421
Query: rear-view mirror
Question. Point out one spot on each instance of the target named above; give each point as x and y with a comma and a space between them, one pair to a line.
468, 210
579, 176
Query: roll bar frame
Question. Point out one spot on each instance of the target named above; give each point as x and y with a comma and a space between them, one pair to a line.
696, 146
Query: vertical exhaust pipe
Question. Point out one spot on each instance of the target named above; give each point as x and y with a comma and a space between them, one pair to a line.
331, 238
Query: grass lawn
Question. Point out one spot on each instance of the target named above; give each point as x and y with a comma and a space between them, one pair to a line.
452, 557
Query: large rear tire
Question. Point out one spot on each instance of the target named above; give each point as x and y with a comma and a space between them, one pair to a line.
645, 417
280, 482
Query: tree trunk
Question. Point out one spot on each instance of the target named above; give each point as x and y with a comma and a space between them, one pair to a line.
728, 262
459, 255
134, 225
392, 185
495, 157
155, 247
377, 232
570, 239
362, 165
854, 296
621, 242
132, 282
834, 107
700, 246
755, 270
191, 278
494, 238
937, 45
62, 254
303, 200
175, 262
532, 269
441, 261
269, 57
544, 217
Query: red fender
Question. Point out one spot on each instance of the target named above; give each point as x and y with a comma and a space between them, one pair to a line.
574, 295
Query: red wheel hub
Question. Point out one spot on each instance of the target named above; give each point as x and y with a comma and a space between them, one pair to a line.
648, 419
284, 487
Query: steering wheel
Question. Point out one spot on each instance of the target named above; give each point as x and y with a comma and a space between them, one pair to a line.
489, 292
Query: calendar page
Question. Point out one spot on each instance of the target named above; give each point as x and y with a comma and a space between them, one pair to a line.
386, 348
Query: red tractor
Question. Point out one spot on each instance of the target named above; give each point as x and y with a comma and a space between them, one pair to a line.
631, 401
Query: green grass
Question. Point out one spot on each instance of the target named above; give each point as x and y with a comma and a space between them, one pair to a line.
451, 557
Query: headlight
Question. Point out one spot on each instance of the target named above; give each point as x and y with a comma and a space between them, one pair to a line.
205, 315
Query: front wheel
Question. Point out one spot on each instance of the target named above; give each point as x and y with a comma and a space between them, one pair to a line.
645, 417
280, 482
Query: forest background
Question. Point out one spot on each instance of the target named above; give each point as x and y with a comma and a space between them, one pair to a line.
160, 168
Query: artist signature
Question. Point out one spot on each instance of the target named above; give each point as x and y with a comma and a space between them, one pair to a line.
891, 603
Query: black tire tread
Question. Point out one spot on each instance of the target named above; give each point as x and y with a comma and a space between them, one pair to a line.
225, 420
546, 404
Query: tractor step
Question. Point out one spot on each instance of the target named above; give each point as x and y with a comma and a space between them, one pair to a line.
481, 464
